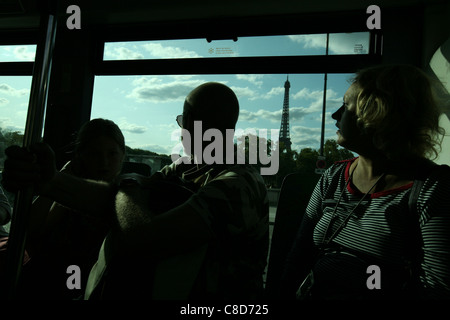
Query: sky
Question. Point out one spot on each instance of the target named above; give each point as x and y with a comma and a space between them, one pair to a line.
145, 107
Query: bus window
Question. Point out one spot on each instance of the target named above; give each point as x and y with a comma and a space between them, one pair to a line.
439, 66
145, 108
17, 53
14, 98
262, 46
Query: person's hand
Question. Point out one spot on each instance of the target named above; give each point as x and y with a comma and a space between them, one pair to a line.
28, 168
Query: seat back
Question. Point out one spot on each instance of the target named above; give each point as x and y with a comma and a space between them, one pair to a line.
296, 190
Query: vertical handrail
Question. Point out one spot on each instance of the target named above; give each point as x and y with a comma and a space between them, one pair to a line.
324, 106
33, 133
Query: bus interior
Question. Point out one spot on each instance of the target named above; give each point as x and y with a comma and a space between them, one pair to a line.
134, 62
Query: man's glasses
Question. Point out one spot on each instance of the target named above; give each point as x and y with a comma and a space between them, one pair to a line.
180, 120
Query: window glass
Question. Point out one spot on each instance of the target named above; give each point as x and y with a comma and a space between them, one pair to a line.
349, 43
286, 45
146, 107
14, 98
17, 53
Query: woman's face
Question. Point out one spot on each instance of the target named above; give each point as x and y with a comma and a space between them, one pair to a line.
102, 159
350, 135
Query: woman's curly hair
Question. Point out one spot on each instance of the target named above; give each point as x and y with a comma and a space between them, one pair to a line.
398, 105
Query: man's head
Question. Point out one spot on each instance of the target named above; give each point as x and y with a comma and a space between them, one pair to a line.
214, 104
211, 105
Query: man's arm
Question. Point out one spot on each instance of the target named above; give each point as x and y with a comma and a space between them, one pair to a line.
176, 230
36, 168
95, 198
161, 235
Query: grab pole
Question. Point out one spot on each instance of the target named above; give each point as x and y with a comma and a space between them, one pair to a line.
33, 133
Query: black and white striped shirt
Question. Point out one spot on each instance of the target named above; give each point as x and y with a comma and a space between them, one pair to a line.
378, 233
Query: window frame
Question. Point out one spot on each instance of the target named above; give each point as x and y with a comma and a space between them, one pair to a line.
338, 22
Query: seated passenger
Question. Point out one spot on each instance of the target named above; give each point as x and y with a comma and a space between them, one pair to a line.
359, 238
59, 236
5, 217
220, 232
5, 213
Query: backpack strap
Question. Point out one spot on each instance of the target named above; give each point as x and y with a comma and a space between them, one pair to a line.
414, 252
423, 170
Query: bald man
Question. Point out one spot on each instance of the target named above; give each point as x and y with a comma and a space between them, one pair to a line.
210, 106
212, 246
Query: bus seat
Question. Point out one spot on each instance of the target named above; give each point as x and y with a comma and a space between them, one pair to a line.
136, 167
295, 192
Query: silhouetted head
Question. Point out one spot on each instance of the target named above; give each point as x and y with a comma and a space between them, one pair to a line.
214, 104
392, 109
99, 150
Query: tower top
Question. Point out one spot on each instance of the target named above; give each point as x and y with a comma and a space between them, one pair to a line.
287, 84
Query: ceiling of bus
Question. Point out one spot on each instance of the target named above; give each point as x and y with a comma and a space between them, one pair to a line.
16, 14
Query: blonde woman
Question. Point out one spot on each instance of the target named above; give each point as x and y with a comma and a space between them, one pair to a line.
361, 237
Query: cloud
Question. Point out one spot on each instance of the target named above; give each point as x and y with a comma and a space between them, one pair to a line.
312, 41
251, 116
273, 92
152, 89
7, 125
131, 128
22, 54
306, 93
3, 102
122, 53
157, 50
303, 137
155, 91
252, 78
333, 99
245, 92
298, 113
339, 43
7, 89
295, 114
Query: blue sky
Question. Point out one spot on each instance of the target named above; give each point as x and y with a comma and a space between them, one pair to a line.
145, 107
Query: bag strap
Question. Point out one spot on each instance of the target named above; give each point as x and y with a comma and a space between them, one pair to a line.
414, 252
422, 172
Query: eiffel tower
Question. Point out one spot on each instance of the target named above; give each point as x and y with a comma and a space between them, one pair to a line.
284, 129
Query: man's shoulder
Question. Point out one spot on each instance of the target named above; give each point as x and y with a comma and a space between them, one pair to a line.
239, 171
242, 177
176, 167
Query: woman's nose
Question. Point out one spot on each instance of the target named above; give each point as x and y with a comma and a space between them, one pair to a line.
338, 113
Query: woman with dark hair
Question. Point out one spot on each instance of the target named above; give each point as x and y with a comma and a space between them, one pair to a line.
99, 151
364, 234
59, 236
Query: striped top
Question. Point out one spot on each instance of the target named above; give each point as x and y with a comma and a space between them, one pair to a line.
377, 234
